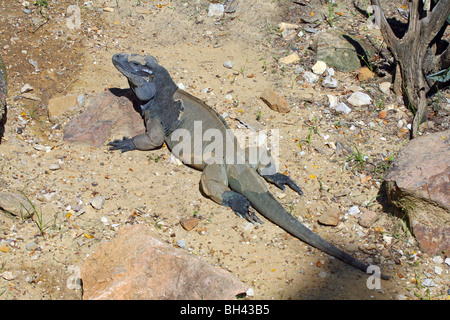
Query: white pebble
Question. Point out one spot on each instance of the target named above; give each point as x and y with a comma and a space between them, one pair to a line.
97, 202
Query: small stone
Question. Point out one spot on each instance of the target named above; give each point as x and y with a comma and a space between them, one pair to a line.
364, 74
438, 259
8, 275
275, 101
32, 246
354, 210
384, 87
329, 82
298, 69
54, 166
189, 223
228, 64
438, 270
342, 107
250, 292
447, 261
319, 68
428, 283
97, 202
216, 10
26, 88
330, 217
181, 243
359, 99
382, 114
285, 25
293, 57
367, 218
310, 77
108, 9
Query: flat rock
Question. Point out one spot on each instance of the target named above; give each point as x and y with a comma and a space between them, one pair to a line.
274, 101
330, 217
106, 116
367, 218
339, 50
418, 183
293, 57
15, 204
189, 223
136, 265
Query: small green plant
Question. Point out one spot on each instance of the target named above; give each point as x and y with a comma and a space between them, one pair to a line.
258, 116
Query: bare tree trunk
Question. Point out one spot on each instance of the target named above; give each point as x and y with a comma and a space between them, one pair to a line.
411, 49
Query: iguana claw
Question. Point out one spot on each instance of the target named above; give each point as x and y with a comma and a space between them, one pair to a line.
280, 180
123, 145
240, 205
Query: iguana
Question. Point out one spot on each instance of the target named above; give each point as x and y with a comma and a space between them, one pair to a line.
228, 178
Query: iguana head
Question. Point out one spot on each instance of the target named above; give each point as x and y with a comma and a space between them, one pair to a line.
145, 76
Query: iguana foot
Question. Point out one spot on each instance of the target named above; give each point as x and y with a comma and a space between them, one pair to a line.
240, 205
280, 180
124, 145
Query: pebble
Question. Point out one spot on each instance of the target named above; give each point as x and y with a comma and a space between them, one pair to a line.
329, 82
54, 166
189, 223
359, 99
228, 64
216, 10
319, 68
8, 275
384, 87
428, 283
354, 210
181, 243
310, 77
26, 88
438, 259
293, 57
438, 270
97, 202
447, 261
32, 246
342, 107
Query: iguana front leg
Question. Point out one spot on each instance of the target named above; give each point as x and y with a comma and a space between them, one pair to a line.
153, 138
214, 184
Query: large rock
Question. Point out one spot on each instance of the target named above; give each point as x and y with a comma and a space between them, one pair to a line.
419, 184
341, 51
3, 92
107, 115
136, 265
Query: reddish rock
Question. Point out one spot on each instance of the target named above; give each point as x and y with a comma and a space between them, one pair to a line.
275, 101
106, 116
419, 184
136, 265
189, 223
330, 217
367, 218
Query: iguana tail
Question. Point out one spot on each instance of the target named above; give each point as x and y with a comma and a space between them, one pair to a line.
270, 208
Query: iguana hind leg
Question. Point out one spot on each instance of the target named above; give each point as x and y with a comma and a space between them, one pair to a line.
214, 184
265, 166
